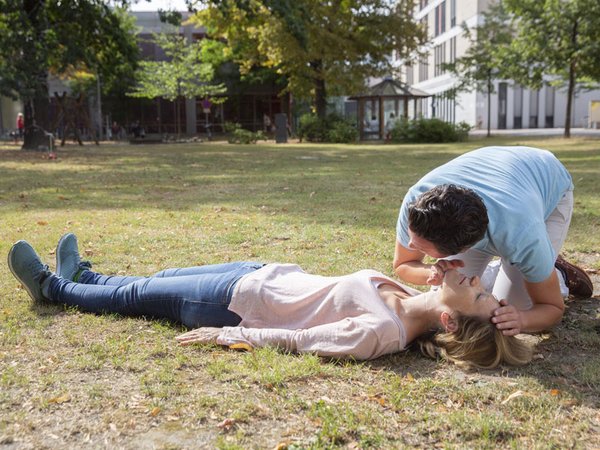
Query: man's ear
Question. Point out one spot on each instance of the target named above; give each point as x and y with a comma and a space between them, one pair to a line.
448, 322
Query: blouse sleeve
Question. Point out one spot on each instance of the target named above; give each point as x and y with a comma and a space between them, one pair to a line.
349, 337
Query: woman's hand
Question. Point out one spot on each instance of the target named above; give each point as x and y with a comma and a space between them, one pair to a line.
204, 335
440, 267
507, 319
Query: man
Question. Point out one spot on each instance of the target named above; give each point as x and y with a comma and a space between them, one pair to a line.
511, 202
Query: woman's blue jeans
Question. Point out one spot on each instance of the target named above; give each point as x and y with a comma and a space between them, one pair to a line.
194, 296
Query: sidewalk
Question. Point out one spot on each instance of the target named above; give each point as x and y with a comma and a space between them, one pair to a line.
590, 132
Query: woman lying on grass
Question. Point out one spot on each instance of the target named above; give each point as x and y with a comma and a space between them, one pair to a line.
362, 315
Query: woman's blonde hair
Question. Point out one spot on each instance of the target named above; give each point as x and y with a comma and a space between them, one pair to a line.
476, 344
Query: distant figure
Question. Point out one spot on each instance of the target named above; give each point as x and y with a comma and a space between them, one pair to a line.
267, 123
389, 126
20, 125
116, 131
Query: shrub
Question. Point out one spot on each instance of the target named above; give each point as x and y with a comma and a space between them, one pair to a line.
342, 131
239, 135
428, 130
312, 128
331, 129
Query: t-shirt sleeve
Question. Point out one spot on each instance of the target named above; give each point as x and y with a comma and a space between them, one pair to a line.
533, 254
345, 338
402, 225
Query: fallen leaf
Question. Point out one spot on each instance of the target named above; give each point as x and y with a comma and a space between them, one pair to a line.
60, 399
409, 377
155, 411
42, 222
241, 346
554, 392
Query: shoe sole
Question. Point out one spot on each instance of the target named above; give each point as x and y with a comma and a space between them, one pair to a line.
10, 266
60, 241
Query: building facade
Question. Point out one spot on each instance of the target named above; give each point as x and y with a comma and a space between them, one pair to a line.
512, 106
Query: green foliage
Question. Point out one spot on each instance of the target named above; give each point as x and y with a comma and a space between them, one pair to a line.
428, 131
62, 37
320, 48
184, 74
554, 41
482, 62
331, 129
239, 135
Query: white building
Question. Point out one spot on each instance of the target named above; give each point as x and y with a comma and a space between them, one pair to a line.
512, 106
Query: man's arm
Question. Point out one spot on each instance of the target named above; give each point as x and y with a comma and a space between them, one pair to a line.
408, 265
547, 310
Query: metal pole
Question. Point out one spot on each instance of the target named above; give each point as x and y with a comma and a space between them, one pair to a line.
99, 106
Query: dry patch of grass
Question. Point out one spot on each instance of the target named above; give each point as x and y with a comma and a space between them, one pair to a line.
73, 380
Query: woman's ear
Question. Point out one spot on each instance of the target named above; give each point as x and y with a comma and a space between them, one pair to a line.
448, 322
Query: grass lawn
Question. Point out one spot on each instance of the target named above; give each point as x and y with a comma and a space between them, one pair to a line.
74, 380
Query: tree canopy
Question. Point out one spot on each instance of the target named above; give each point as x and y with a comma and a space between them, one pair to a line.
320, 47
183, 74
555, 41
481, 64
60, 37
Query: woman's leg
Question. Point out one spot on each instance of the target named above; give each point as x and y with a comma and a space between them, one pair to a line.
90, 277
510, 283
193, 300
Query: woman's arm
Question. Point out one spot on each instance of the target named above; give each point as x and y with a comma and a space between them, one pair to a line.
351, 337
204, 335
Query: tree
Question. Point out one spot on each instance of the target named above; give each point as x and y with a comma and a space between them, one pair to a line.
559, 39
320, 47
481, 64
184, 74
42, 37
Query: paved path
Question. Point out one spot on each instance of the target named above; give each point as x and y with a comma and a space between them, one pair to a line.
539, 132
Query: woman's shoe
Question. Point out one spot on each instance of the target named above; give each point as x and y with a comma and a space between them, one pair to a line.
27, 267
68, 262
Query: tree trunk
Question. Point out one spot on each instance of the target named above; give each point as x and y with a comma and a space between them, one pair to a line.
36, 123
320, 90
571, 89
36, 105
489, 107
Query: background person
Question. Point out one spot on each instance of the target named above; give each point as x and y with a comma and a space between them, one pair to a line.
511, 202
362, 315
20, 125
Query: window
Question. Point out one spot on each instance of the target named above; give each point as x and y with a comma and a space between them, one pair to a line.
440, 18
443, 106
409, 75
533, 108
423, 68
424, 24
452, 13
439, 58
518, 106
423, 4
452, 55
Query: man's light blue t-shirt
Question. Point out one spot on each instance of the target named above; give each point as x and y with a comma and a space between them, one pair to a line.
520, 187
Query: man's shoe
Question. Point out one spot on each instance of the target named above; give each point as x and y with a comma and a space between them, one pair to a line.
26, 266
68, 262
576, 279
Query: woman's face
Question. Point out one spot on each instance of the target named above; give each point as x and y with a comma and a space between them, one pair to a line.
466, 296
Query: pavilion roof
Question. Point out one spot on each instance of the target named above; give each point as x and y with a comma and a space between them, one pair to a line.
391, 88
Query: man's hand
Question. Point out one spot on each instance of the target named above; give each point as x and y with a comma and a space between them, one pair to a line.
507, 319
440, 267
204, 335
